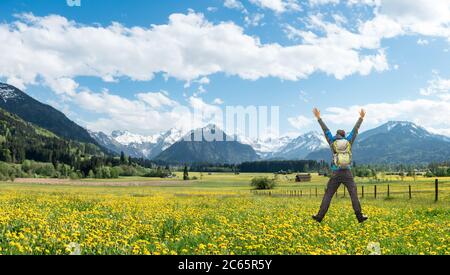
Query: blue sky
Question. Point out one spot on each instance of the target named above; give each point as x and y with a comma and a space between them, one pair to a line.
390, 57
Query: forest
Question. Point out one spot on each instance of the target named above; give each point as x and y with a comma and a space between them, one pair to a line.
27, 150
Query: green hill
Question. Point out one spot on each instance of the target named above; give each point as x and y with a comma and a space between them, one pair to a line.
19, 103
20, 140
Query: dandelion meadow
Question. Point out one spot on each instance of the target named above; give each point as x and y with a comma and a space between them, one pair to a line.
216, 216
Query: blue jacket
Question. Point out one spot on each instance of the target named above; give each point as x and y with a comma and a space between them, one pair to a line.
330, 138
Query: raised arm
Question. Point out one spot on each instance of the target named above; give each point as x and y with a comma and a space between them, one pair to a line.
352, 136
324, 127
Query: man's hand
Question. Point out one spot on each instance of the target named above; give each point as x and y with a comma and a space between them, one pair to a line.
316, 113
362, 113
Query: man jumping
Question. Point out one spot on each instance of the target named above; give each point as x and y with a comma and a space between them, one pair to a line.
341, 147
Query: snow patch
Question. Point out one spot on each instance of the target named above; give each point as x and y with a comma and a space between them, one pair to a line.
7, 93
126, 138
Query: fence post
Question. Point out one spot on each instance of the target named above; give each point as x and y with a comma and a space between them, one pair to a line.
409, 191
301, 193
362, 189
310, 192
344, 192
436, 190
388, 194
316, 191
375, 191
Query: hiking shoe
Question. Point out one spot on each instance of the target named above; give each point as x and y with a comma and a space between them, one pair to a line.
317, 218
361, 218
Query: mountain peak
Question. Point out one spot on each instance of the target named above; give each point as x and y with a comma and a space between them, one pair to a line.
392, 124
8, 92
401, 129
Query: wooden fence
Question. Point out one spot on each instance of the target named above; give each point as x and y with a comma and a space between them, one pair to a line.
365, 191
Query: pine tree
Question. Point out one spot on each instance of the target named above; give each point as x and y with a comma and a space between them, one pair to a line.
185, 173
122, 157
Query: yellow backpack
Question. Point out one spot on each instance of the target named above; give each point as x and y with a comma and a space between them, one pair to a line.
342, 153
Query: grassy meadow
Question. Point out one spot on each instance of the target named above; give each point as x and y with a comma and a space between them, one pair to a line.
218, 214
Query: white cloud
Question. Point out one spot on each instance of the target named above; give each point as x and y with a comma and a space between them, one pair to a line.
205, 113
253, 19
299, 122
363, 2
391, 18
422, 42
200, 90
437, 86
146, 114
323, 2
414, 17
234, 4
212, 9
204, 80
369, 33
278, 6
193, 48
156, 100
62, 85
218, 101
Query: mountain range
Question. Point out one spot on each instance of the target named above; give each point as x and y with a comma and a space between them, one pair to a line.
392, 142
151, 147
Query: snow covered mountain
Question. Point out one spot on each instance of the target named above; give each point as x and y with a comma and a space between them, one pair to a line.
135, 145
300, 147
138, 146
207, 145
287, 147
127, 138
267, 146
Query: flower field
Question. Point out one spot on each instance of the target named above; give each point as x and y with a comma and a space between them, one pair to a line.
147, 220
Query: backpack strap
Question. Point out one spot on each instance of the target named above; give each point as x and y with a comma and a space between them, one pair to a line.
334, 144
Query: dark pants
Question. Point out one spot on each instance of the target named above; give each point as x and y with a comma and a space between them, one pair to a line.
338, 177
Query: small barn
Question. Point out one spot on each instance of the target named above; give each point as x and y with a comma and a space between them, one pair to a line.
303, 178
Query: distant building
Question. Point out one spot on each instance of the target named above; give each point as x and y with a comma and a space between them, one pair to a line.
303, 178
